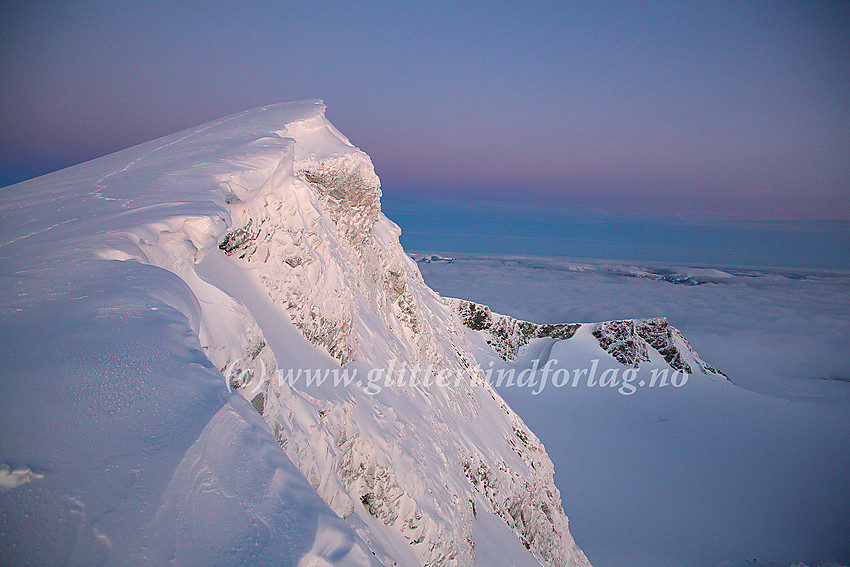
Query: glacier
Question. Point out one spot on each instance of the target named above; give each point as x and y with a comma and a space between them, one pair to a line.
153, 300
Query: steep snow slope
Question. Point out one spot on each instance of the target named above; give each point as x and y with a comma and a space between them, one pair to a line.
114, 398
409, 454
139, 453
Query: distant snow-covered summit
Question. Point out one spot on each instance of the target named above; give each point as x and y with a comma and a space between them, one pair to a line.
627, 341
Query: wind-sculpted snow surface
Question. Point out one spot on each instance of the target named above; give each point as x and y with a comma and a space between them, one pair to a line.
122, 441
252, 246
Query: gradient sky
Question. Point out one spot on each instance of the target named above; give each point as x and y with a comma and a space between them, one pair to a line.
713, 109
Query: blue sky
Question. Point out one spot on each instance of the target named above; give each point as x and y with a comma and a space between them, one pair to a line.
453, 226
679, 109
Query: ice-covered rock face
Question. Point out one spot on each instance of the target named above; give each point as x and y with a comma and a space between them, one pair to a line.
258, 242
423, 460
305, 242
121, 442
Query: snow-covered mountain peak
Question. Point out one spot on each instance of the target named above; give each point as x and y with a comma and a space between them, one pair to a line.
257, 240
316, 136
628, 341
321, 251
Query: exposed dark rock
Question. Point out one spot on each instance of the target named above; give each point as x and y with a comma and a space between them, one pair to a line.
507, 334
619, 339
239, 238
656, 332
627, 340
259, 403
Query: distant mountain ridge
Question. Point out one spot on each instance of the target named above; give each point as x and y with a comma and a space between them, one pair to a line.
627, 340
